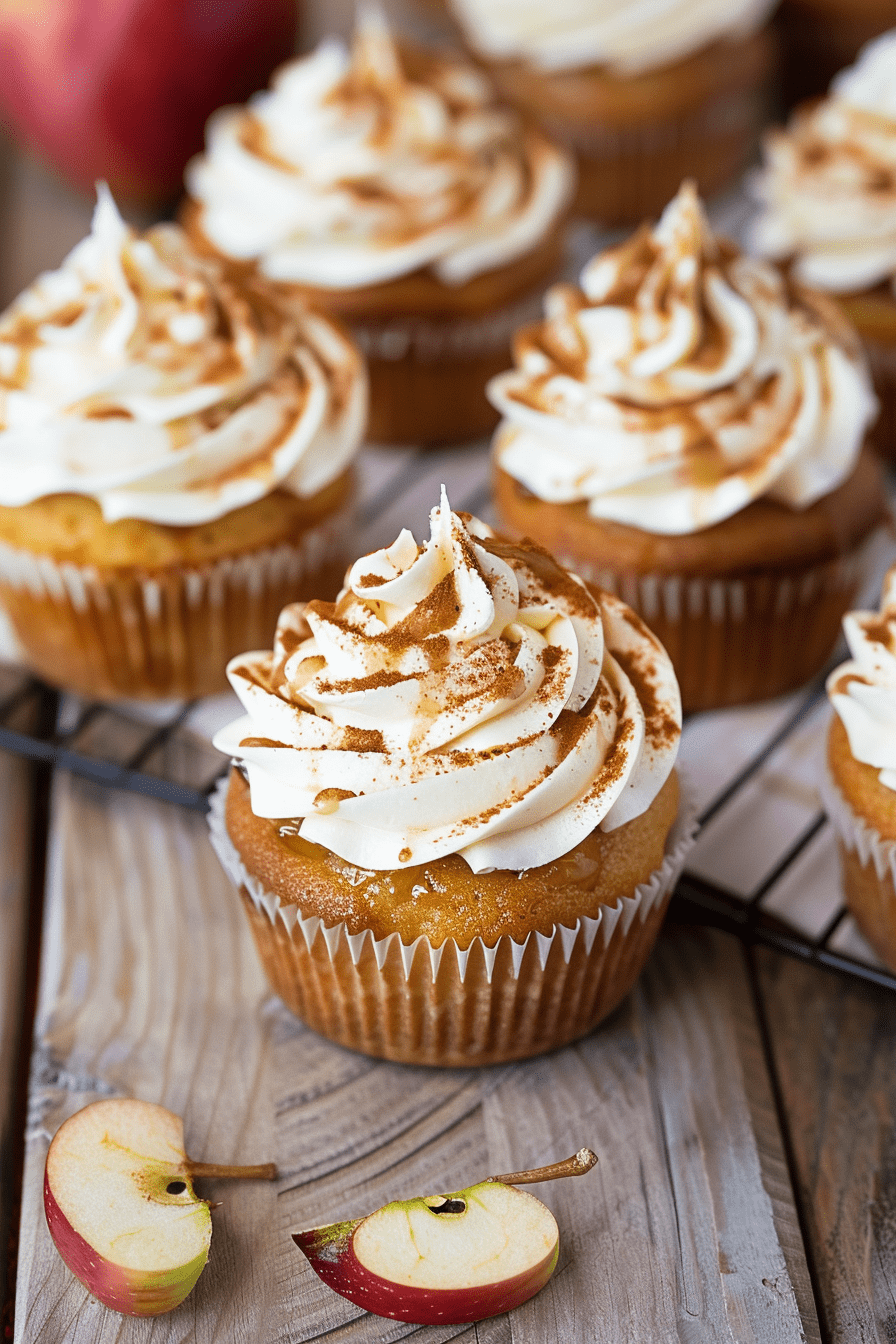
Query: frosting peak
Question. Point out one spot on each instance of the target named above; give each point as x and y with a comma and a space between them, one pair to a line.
362, 165
681, 382
137, 374
628, 37
468, 696
828, 191
863, 690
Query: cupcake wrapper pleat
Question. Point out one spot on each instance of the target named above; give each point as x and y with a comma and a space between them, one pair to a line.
447, 1005
869, 872
426, 341
123, 632
628, 172
736, 640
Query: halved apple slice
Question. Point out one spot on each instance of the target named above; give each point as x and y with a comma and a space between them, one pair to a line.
451, 1258
121, 1208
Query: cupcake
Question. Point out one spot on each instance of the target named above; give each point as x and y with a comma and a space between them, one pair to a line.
828, 197
174, 464
686, 430
388, 186
643, 94
455, 824
820, 37
860, 793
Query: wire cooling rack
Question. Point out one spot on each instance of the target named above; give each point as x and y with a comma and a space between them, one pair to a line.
765, 866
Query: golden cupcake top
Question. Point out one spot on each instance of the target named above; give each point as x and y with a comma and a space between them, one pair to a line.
828, 190
467, 697
367, 163
681, 381
139, 375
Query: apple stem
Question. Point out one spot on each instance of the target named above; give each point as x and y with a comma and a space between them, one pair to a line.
265, 1171
576, 1165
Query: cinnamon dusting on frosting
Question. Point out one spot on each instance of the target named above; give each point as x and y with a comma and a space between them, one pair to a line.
679, 383
165, 391
514, 734
828, 190
376, 162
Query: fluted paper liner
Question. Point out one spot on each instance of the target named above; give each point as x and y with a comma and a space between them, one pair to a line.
126, 632
627, 172
465, 338
736, 640
420, 1004
869, 872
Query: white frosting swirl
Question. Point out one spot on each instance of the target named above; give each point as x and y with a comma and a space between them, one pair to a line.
628, 37
361, 166
828, 191
681, 383
863, 690
466, 697
138, 375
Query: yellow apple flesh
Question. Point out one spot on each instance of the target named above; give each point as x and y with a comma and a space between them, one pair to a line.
121, 1207
446, 1258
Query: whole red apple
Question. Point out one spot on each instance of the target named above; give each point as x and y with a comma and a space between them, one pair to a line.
121, 89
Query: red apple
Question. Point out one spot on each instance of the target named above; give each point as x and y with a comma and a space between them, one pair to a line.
451, 1259
121, 89
121, 1208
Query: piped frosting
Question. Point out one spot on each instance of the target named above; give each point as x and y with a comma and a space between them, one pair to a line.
467, 696
863, 690
628, 37
682, 381
828, 191
365, 164
139, 375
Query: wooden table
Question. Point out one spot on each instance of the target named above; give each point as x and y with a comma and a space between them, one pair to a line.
742, 1104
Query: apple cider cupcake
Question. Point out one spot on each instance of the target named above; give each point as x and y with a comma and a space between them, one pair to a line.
455, 824
643, 94
174, 464
828, 197
387, 185
686, 430
860, 793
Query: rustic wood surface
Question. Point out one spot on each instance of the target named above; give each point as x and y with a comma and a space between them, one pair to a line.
149, 987
15, 853
834, 1050
742, 1106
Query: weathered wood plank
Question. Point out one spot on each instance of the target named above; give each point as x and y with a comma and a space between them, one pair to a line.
686, 1232
15, 855
149, 987
834, 1046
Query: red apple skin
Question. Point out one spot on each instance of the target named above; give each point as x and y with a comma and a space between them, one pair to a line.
122, 89
333, 1259
132, 1292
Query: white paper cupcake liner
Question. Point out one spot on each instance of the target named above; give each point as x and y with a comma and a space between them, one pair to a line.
856, 835
170, 633
674, 597
736, 640
727, 114
869, 871
429, 342
418, 1003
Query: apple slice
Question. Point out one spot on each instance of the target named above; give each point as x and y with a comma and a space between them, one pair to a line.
452, 1258
121, 1208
